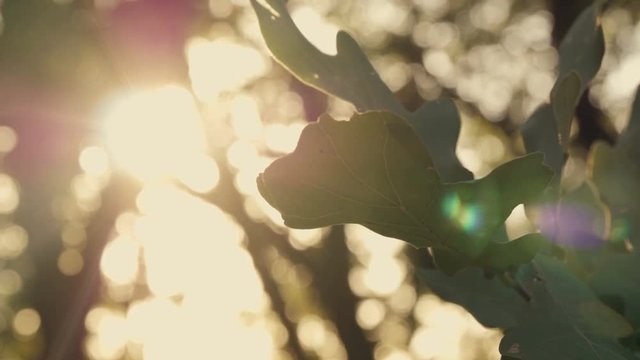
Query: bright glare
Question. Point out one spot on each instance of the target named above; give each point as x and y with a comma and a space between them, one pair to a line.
222, 65
109, 333
316, 29
119, 262
10, 282
8, 139
94, 161
246, 118
370, 313
9, 196
283, 138
70, 262
158, 134
13, 241
189, 249
26, 322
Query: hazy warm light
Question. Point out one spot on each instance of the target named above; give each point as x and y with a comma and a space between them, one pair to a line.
245, 118
316, 29
243, 155
222, 65
443, 327
384, 275
70, 262
370, 313
73, 234
158, 134
26, 322
305, 238
200, 173
94, 161
10, 282
9, 197
283, 138
109, 333
8, 139
119, 262
13, 241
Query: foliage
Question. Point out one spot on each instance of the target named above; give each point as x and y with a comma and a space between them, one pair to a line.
567, 292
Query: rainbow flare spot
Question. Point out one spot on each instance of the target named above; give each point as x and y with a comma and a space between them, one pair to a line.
467, 217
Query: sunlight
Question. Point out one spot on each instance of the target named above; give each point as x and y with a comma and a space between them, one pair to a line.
222, 65
316, 29
94, 161
189, 247
119, 262
13, 241
158, 134
283, 138
8, 139
9, 195
26, 322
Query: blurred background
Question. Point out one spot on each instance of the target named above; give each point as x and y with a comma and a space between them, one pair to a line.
131, 134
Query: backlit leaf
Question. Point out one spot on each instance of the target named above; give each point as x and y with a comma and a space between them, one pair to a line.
349, 75
582, 48
564, 98
373, 170
565, 320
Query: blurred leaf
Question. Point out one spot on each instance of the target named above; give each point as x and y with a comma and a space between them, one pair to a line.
373, 170
502, 256
438, 125
582, 48
580, 54
540, 134
490, 200
615, 175
566, 320
564, 98
496, 256
490, 302
618, 276
632, 341
543, 338
349, 75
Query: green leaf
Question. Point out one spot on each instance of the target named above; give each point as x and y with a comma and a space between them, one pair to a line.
544, 338
540, 134
481, 206
616, 172
496, 256
615, 175
582, 48
618, 277
566, 320
580, 52
564, 98
350, 76
438, 125
488, 300
347, 75
373, 170
503, 256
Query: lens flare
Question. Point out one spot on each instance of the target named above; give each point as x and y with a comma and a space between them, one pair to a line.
466, 216
570, 225
620, 230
